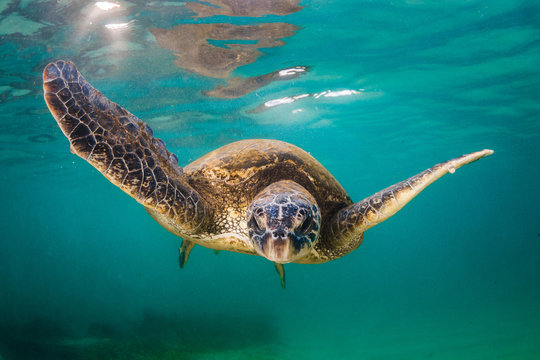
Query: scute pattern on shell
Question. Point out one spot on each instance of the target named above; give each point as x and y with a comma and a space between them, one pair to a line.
234, 174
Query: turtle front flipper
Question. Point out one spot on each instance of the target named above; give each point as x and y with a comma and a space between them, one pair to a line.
349, 224
121, 147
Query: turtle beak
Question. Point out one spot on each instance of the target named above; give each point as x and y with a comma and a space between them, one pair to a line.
281, 246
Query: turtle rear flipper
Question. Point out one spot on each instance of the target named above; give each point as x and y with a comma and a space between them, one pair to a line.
121, 147
184, 251
281, 271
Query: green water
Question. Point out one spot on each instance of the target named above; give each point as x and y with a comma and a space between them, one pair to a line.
85, 273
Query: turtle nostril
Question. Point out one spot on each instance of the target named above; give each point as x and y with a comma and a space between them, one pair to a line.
280, 233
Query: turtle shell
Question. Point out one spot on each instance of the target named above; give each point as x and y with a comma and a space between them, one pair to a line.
231, 176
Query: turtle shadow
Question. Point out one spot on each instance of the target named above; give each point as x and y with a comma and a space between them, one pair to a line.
155, 336
33, 339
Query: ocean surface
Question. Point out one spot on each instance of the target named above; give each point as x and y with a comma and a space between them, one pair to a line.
376, 90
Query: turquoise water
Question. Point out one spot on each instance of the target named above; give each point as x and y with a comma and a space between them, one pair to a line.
388, 88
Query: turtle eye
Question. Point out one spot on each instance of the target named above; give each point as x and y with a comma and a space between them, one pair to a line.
306, 223
254, 224
257, 218
259, 212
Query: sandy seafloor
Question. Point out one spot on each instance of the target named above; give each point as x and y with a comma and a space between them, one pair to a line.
386, 89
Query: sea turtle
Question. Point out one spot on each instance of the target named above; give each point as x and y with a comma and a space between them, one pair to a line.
259, 197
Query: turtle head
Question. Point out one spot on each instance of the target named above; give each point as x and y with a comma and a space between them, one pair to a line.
283, 222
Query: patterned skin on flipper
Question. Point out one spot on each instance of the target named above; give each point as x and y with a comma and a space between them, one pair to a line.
349, 224
121, 147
